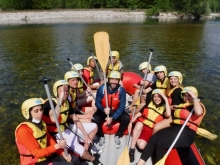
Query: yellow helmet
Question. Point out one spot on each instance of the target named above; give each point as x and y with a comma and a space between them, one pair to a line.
57, 84
176, 74
157, 91
115, 54
143, 65
77, 66
161, 68
90, 57
29, 103
114, 74
186, 89
70, 74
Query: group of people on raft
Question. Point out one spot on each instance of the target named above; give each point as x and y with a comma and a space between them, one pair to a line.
82, 109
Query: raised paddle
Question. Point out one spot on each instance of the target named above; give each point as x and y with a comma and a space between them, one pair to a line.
101, 40
96, 65
68, 59
145, 75
162, 161
45, 80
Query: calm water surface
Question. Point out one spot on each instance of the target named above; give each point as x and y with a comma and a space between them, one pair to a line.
28, 52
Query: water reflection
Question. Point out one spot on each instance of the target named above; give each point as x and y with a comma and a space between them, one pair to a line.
30, 51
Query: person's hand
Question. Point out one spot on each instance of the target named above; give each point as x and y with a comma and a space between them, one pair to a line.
108, 120
107, 111
142, 82
60, 144
130, 127
101, 82
68, 157
87, 139
88, 115
192, 94
88, 91
163, 95
135, 85
64, 88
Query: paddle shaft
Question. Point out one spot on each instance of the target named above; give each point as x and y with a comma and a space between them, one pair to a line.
96, 66
106, 94
110, 52
53, 111
145, 76
81, 78
178, 135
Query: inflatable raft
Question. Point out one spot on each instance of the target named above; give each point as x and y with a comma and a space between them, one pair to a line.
111, 153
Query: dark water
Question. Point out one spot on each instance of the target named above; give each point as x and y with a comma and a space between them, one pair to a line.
30, 51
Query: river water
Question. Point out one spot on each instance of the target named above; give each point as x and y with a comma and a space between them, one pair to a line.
29, 51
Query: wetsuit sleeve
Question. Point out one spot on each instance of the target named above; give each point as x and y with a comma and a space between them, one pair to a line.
26, 138
176, 97
47, 107
99, 97
121, 108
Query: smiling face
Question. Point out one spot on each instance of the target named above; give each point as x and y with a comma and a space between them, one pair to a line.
187, 98
73, 82
160, 75
113, 82
114, 60
157, 99
92, 63
36, 112
174, 81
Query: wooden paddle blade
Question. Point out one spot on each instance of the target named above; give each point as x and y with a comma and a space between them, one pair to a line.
124, 159
162, 161
101, 40
204, 133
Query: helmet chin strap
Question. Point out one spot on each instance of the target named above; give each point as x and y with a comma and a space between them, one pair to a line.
35, 120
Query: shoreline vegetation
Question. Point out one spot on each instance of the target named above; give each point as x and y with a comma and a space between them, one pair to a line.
84, 15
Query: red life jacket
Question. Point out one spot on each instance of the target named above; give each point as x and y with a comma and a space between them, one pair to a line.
40, 135
62, 119
113, 100
181, 114
91, 75
152, 115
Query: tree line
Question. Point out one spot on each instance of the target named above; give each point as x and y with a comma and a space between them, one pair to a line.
193, 7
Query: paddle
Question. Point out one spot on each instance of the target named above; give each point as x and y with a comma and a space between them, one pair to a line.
110, 52
68, 59
101, 40
124, 158
204, 133
45, 80
96, 65
162, 161
145, 77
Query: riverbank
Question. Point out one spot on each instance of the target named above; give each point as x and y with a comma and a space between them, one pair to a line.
85, 15
71, 15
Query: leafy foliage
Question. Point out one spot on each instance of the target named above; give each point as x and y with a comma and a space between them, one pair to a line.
194, 7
